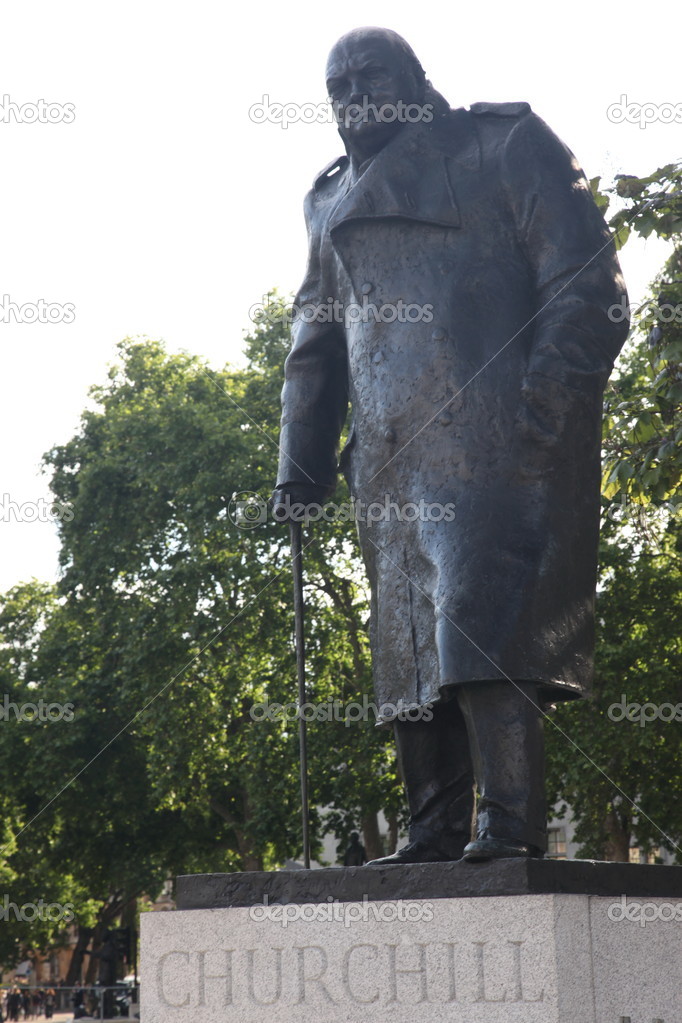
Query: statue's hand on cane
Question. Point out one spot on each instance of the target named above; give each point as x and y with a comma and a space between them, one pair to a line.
291, 502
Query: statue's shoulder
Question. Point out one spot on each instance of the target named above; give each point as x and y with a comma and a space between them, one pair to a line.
500, 109
324, 189
330, 175
477, 133
495, 124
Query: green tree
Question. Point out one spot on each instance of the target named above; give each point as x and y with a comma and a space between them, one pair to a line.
621, 777
171, 629
643, 422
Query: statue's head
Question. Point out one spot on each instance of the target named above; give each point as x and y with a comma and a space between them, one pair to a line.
372, 75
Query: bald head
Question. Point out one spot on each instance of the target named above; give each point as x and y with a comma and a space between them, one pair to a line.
384, 40
372, 74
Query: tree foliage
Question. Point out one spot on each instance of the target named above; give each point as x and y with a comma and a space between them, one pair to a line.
169, 632
623, 776
643, 422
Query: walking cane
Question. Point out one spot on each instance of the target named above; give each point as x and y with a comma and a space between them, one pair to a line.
297, 566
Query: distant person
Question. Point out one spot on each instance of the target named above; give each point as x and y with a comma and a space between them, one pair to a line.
13, 1004
78, 998
108, 959
355, 854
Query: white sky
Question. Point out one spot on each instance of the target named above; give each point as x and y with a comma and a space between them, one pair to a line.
163, 210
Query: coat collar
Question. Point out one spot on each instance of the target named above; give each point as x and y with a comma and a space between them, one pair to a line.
412, 177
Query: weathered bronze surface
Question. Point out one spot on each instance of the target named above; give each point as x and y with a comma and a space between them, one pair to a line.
457, 294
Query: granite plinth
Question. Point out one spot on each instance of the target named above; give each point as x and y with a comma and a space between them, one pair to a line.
429, 881
391, 945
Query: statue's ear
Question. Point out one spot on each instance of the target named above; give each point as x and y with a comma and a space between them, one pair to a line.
419, 84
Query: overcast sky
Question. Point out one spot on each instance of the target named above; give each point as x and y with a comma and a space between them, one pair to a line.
156, 205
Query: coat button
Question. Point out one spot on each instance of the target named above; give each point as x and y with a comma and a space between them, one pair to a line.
445, 419
389, 434
366, 288
439, 334
377, 357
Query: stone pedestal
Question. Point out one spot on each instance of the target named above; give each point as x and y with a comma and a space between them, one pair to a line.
516, 941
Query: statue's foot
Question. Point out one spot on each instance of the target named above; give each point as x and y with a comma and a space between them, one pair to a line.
419, 852
498, 848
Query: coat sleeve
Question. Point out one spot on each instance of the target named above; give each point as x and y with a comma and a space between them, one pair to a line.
315, 393
579, 326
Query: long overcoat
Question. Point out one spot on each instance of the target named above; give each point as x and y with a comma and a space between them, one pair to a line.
462, 292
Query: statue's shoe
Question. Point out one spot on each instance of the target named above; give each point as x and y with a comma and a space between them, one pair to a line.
418, 852
498, 849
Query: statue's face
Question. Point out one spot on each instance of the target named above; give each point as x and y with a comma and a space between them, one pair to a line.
367, 81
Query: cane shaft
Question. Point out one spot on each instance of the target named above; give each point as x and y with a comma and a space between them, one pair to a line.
297, 565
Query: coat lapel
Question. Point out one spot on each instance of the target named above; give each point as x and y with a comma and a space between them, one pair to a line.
411, 178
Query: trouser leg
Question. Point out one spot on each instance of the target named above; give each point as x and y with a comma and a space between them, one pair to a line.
436, 768
504, 726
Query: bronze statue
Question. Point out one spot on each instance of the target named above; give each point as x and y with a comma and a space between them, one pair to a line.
470, 277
